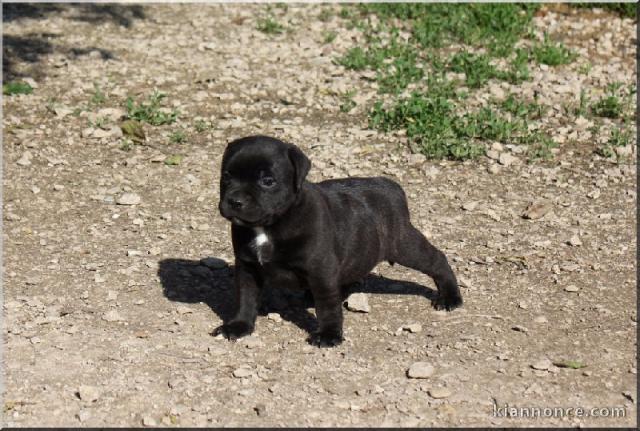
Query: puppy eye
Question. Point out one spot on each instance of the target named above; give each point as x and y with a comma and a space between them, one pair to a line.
267, 182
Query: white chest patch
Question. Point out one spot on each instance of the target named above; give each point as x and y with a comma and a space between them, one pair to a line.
259, 242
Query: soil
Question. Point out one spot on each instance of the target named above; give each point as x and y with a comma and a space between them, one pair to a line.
108, 308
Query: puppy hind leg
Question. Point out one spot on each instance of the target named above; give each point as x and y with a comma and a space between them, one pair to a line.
414, 251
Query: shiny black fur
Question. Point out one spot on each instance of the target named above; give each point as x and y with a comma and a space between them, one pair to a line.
322, 236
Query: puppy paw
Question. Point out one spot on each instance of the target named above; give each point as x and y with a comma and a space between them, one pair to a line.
326, 338
233, 330
447, 302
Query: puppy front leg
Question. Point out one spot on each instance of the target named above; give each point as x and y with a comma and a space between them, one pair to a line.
328, 305
248, 290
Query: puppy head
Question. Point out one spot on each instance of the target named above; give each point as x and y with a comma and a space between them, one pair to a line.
261, 178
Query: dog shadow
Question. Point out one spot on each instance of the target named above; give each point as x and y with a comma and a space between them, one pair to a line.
210, 281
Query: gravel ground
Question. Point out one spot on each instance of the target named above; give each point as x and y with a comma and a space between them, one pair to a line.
109, 295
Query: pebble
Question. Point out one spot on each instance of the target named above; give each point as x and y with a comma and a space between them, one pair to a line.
493, 169
595, 194
414, 328
469, 206
572, 288
112, 316
543, 364
149, 421
88, 393
420, 370
128, 199
358, 302
252, 342
83, 415
493, 154
507, 159
438, 393
260, 409
537, 209
575, 241
242, 372
275, 317
540, 319
25, 160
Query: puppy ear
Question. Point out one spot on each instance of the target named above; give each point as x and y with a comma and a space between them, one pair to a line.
301, 165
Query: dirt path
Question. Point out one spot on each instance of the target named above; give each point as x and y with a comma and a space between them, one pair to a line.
108, 307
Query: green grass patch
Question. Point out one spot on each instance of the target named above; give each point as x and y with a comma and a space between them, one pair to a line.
177, 137
615, 101
430, 123
151, 111
618, 137
552, 54
270, 26
329, 36
16, 87
98, 97
173, 160
127, 145
495, 26
403, 48
522, 109
347, 101
325, 15
202, 126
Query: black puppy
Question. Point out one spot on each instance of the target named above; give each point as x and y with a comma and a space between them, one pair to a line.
320, 237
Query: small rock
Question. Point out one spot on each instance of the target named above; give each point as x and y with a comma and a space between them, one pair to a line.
242, 372
543, 364
420, 370
12, 217
493, 169
83, 415
507, 159
537, 209
493, 154
133, 253
112, 316
519, 328
438, 393
148, 421
572, 288
625, 151
540, 319
260, 409
575, 241
358, 302
213, 263
87, 132
275, 317
128, 199
88, 393
595, 194
58, 187
113, 114
25, 160
497, 146
414, 328
251, 342
469, 206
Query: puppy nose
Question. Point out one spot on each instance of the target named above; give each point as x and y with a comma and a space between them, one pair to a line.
235, 203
